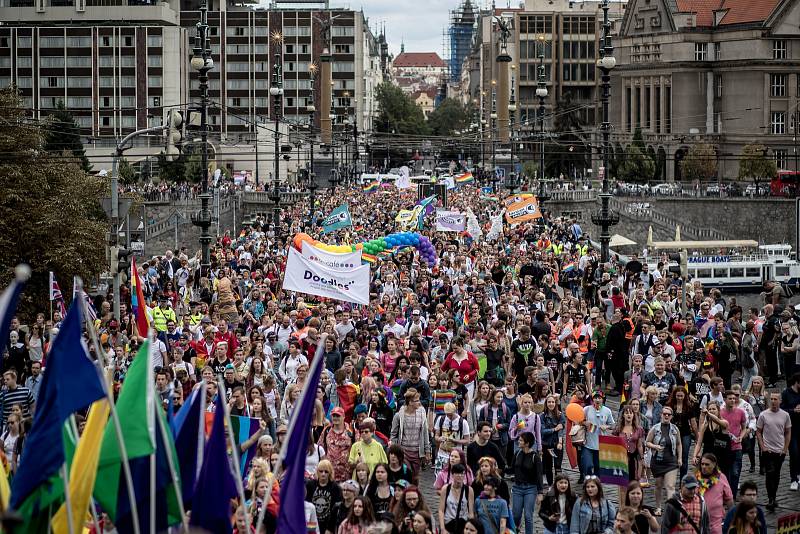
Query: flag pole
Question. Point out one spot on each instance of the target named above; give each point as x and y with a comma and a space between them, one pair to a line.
234, 451
318, 359
67, 500
123, 452
172, 471
153, 488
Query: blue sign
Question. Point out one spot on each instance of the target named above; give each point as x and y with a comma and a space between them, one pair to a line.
339, 218
500, 172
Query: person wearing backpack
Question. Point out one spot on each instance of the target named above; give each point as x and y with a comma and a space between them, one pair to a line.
686, 511
748, 355
497, 414
456, 503
451, 431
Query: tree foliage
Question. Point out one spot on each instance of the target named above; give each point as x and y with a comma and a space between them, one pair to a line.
755, 165
450, 116
50, 214
569, 152
397, 112
127, 174
636, 165
64, 135
700, 163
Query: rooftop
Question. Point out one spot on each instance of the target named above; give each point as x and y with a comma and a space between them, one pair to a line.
737, 11
418, 59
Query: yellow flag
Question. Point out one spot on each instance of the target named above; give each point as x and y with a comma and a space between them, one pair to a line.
84, 470
5, 489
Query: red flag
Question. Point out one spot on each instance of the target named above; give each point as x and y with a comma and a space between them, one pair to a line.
137, 301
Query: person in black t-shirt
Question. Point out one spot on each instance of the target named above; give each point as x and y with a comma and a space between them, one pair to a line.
575, 373
522, 349
483, 446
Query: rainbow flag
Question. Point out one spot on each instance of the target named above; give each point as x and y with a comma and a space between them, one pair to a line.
369, 258
137, 301
613, 460
464, 178
568, 267
371, 187
442, 397
348, 395
243, 429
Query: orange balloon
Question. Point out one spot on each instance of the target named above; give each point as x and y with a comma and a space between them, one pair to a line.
575, 412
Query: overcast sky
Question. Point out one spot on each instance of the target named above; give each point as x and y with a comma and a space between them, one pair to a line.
418, 23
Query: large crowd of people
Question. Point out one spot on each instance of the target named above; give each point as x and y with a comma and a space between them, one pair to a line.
466, 368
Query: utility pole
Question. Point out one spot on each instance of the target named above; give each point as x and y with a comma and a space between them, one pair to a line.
276, 90
541, 94
312, 180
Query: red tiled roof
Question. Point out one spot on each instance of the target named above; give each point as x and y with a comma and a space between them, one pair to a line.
418, 59
738, 11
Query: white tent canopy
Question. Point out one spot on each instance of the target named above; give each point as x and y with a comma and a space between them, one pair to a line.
620, 241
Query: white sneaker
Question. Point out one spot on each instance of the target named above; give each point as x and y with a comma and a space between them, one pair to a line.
793, 486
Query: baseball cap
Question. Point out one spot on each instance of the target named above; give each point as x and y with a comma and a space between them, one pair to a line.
689, 481
338, 411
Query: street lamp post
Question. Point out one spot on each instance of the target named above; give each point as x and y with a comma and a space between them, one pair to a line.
202, 63
512, 111
541, 94
493, 117
312, 180
276, 91
605, 219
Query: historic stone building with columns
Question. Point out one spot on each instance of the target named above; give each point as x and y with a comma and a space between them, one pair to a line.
723, 72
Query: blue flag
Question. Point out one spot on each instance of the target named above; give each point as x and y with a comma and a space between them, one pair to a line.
292, 515
215, 485
187, 428
8, 304
71, 383
339, 218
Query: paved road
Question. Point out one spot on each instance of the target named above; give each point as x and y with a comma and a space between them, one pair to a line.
788, 501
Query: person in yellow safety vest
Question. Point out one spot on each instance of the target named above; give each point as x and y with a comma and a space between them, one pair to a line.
582, 250
161, 314
196, 316
556, 248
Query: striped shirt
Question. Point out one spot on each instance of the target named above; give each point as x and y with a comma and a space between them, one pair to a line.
19, 395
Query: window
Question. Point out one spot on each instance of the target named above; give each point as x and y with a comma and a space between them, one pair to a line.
700, 51
289, 101
154, 81
342, 49
703, 273
56, 62
5, 61
717, 51
51, 42
53, 81
778, 122
238, 102
261, 84
25, 82
128, 121
79, 42
127, 101
154, 41
5, 81
299, 66
106, 81
79, 102
127, 61
238, 66
781, 156
237, 84
106, 61
24, 42
342, 31
718, 83
779, 49
105, 40
153, 61
50, 102
235, 120
304, 49
105, 121
79, 61
720, 273
260, 49
236, 31
777, 84
27, 102
289, 48
781, 270
737, 272
342, 66
261, 31
262, 102
128, 40
79, 81
154, 102
302, 31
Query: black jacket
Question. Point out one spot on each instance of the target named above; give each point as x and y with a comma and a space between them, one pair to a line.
550, 506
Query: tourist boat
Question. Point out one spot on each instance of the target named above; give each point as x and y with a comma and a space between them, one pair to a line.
744, 270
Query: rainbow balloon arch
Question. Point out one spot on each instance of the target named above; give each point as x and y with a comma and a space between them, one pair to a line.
376, 246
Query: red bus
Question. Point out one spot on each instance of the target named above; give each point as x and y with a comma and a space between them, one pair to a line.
786, 184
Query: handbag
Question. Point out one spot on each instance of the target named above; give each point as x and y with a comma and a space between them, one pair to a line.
577, 434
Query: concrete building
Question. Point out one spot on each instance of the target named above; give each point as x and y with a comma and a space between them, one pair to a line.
119, 65
426, 100
722, 72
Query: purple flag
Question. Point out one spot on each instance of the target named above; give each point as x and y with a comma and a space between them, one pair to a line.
292, 516
450, 221
211, 503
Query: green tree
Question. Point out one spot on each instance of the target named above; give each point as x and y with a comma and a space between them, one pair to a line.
755, 165
530, 169
50, 214
450, 116
64, 135
700, 163
171, 171
397, 112
636, 165
127, 174
569, 152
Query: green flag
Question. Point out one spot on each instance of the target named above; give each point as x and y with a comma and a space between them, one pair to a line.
137, 419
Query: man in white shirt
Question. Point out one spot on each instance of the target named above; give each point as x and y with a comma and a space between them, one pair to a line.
392, 326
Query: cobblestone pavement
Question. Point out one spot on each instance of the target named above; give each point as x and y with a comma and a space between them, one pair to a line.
788, 501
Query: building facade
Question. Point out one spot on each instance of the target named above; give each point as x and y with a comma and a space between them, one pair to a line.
418, 71
721, 72
120, 65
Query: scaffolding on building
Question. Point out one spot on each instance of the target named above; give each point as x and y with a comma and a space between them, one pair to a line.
459, 38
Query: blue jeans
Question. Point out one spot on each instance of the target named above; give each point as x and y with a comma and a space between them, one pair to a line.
734, 471
686, 443
524, 500
590, 460
560, 529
